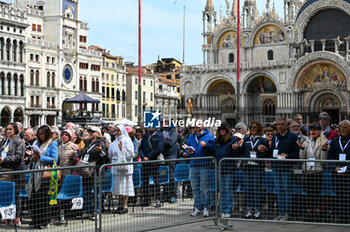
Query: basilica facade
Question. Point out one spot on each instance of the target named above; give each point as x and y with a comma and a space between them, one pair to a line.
296, 64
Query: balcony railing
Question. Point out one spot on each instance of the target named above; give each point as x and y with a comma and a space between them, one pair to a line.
84, 25
35, 106
232, 66
41, 43
35, 12
90, 52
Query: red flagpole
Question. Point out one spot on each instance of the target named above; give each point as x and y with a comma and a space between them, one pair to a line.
238, 61
238, 42
140, 70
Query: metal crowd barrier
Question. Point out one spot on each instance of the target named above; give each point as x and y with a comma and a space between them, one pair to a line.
58, 199
276, 190
162, 194
153, 188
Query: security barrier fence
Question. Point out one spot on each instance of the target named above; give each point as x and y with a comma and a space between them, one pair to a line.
160, 194
54, 199
281, 190
150, 195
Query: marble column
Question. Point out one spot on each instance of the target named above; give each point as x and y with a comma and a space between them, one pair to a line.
347, 48
336, 48
323, 44
312, 42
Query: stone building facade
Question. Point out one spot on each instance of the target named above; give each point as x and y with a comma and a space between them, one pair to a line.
296, 64
13, 24
59, 63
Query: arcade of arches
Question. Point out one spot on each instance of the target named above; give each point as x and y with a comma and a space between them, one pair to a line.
6, 117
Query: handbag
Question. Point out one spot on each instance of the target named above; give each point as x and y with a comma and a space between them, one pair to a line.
122, 160
46, 175
87, 171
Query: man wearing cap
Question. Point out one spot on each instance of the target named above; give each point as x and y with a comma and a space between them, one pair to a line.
314, 148
67, 151
170, 152
325, 122
200, 144
94, 151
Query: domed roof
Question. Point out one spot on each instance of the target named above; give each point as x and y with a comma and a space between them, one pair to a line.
308, 3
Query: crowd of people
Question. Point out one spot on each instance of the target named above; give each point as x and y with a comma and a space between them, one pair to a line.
40, 147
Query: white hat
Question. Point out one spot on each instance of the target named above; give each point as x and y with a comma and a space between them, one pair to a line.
239, 135
95, 129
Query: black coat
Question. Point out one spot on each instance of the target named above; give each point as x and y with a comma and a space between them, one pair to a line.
100, 158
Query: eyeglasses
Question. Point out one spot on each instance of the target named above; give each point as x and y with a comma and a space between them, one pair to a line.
269, 134
191, 128
239, 128
323, 118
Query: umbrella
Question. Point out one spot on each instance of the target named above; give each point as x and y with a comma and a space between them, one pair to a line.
125, 121
81, 98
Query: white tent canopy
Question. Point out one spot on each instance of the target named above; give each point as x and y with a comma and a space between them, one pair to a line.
125, 121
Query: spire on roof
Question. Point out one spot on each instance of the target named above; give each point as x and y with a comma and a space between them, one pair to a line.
209, 6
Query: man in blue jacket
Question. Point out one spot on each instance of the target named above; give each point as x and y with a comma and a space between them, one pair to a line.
284, 146
152, 145
202, 141
170, 152
340, 150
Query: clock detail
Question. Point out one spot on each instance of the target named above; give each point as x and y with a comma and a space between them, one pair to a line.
67, 73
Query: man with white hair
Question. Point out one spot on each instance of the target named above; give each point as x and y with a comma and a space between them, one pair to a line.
111, 131
340, 150
20, 129
29, 138
70, 126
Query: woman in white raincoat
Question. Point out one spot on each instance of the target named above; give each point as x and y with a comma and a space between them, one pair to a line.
122, 151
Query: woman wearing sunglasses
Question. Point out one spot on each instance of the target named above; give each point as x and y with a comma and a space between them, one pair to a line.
254, 147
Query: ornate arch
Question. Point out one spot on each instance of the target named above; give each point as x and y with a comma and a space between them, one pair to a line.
333, 58
307, 13
222, 33
212, 79
250, 77
264, 24
312, 99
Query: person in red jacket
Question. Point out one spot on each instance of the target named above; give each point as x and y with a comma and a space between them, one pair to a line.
325, 122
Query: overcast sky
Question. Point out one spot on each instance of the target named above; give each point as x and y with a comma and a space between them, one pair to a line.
114, 26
